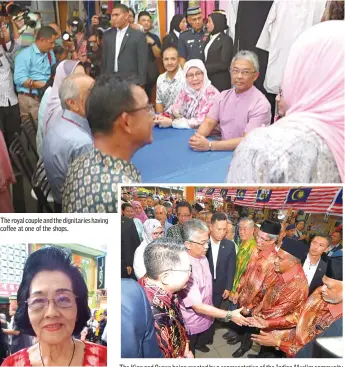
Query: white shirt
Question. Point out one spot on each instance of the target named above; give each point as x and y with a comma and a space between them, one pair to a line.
285, 22
6, 75
177, 33
310, 269
215, 250
120, 35
213, 38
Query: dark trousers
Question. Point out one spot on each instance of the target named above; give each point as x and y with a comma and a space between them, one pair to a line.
201, 339
9, 122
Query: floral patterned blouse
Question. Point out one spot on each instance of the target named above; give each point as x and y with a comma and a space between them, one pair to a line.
92, 180
94, 355
179, 109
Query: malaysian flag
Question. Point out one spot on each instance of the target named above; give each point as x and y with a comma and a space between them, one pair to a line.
336, 207
312, 200
212, 193
276, 199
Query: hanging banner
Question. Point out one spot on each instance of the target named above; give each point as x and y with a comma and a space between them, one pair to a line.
101, 272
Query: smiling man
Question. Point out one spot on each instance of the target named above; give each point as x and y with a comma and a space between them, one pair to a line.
238, 111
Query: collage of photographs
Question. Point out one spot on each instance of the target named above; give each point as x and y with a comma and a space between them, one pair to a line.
179, 165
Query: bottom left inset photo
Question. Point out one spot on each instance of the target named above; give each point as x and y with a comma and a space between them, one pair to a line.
53, 305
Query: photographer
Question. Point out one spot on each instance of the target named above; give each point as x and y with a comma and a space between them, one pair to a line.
9, 108
94, 54
33, 69
75, 43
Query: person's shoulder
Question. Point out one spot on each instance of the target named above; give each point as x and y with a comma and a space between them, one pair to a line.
212, 91
185, 35
20, 358
227, 243
162, 77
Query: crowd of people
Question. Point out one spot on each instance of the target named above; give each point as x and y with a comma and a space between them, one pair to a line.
50, 320
66, 80
190, 268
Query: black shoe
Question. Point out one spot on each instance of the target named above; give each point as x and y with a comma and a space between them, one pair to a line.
203, 349
234, 340
228, 335
253, 356
239, 353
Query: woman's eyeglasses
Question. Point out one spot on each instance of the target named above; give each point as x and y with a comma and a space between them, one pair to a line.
62, 301
197, 75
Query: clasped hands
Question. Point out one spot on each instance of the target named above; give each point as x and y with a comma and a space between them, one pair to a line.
163, 121
199, 143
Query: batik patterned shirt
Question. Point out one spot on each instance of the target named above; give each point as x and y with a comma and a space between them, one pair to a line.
283, 302
242, 259
175, 233
258, 278
317, 315
169, 89
92, 182
170, 330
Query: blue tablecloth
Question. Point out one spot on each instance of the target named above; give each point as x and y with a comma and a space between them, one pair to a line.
169, 159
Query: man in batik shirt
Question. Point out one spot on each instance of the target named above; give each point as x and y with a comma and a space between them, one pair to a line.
260, 275
247, 246
184, 214
167, 271
284, 300
323, 307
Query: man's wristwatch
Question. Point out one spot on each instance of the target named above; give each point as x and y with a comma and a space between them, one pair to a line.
228, 316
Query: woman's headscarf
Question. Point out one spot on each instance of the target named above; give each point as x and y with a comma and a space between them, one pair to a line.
313, 85
175, 23
142, 216
64, 69
149, 227
220, 23
195, 96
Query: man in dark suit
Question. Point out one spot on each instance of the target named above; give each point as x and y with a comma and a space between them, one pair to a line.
125, 49
314, 266
129, 243
221, 256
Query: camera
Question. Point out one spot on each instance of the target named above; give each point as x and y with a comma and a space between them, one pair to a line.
104, 18
68, 37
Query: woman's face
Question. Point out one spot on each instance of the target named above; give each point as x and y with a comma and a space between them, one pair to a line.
183, 25
138, 209
157, 233
52, 324
195, 78
128, 212
210, 25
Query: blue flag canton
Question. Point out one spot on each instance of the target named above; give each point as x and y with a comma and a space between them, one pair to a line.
240, 194
298, 195
263, 196
339, 199
209, 191
223, 192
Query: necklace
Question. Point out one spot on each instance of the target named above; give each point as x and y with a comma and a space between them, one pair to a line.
39, 346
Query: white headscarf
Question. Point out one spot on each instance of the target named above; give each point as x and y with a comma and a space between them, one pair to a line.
149, 227
189, 110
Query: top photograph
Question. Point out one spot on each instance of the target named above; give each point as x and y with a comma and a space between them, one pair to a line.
94, 94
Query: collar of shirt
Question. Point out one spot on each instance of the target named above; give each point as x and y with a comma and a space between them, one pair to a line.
200, 32
177, 76
214, 35
291, 273
309, 262
37, 50
214, 242
246, 93
267, 252
335, 310
159, 293
177, 33
77, 120
123, 30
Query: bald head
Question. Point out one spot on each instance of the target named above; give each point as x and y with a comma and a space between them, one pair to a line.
74, 91
160, 213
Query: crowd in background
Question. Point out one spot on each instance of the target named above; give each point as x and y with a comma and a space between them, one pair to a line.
269, 280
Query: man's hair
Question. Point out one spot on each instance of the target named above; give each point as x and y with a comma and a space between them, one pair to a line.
131, 10
46, 32
167, 204
322, 235
122, 7
248, 220
125, 205
52, 258
161, 206
144, 13
273, 236
218, 216
191, 227
169, 47
69, 89
162, 254
100, 113
184, 204
247, 55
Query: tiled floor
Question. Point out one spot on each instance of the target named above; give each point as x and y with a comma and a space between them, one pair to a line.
220, 349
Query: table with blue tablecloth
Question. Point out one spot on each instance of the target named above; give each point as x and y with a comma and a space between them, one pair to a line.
169, 159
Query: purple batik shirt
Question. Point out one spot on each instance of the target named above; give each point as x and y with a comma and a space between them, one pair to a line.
240, 113
197, 291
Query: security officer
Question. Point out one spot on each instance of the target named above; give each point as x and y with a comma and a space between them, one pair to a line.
191, 44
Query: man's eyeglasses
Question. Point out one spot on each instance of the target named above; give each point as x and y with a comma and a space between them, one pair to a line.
148, 108
259, 238
200, 244
185, 271
243, 72
61, 300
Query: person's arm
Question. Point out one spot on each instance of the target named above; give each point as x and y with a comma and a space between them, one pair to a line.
22, 72
207, 126
159, 101
212, 311
159, 108
142, 58
155, 45
11, 332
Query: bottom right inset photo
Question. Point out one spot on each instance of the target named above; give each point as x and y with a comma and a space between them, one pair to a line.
231, 272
